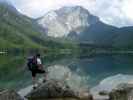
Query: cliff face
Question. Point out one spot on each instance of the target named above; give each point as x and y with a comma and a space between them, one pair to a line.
60, 23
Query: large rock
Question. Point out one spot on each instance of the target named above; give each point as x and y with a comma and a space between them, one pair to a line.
9, 95
56, 89
51, 89
122, 92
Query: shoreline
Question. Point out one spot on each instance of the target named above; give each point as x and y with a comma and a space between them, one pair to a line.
23, 92
102, 86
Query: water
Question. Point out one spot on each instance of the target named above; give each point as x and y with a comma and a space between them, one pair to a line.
14, 74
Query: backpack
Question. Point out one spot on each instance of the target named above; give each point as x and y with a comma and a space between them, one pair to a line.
32, 63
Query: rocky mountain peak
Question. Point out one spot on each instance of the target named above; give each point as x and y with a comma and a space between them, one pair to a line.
61, 22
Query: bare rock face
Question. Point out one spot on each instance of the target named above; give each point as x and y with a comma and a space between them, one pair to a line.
9, 95
55, 89
60, 23
123, 92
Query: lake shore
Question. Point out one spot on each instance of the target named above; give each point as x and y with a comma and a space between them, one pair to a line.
110, 87
107, 85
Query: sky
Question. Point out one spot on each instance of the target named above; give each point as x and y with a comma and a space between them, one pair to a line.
113, 12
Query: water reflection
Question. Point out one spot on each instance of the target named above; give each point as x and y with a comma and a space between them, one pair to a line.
14, 74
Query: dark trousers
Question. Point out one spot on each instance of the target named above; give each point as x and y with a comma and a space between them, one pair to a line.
37, 71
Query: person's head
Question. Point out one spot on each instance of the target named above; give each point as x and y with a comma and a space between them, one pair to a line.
38, 55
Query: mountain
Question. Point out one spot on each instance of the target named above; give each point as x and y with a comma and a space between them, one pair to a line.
124, 37
76, 23
17, 30
61, 22
98, 34
67, 23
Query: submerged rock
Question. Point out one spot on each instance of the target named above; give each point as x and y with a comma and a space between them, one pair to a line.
56, 89
9, 95
122, 92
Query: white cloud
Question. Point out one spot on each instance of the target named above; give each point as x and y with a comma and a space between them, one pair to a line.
37, 8
127, 8
114, 12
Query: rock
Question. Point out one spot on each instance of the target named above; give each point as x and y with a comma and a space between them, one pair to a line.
122, 92
55, 89
85, 96
9, 95
118, 95
51, 89
103, 93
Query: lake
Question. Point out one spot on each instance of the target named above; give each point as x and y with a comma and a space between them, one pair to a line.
93, 69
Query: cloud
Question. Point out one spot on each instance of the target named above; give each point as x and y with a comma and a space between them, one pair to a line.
37, 8
114, 12
127, 8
